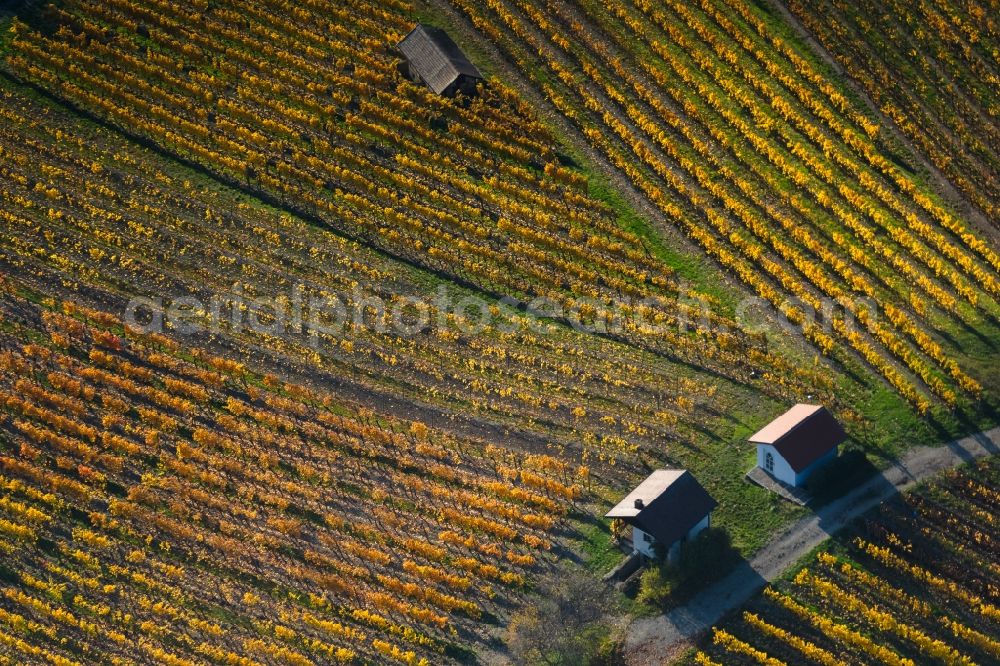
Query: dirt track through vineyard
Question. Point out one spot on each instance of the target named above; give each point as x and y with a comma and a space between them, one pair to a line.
655, 640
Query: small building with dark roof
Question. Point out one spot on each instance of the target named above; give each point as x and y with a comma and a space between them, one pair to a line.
667, 509
797, 443
434, 58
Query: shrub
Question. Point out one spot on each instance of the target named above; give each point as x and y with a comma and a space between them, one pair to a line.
655, 586
564, 624
703, 560
848, 470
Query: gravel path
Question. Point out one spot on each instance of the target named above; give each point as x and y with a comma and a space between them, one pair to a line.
655, 640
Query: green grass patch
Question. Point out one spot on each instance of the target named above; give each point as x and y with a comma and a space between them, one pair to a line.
600, 554
692, 267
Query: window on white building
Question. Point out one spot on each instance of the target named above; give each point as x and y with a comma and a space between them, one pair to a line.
769, 462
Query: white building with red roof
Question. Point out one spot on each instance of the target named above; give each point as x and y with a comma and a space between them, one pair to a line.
797, 443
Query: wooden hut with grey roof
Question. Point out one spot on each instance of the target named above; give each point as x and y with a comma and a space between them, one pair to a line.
436, 60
